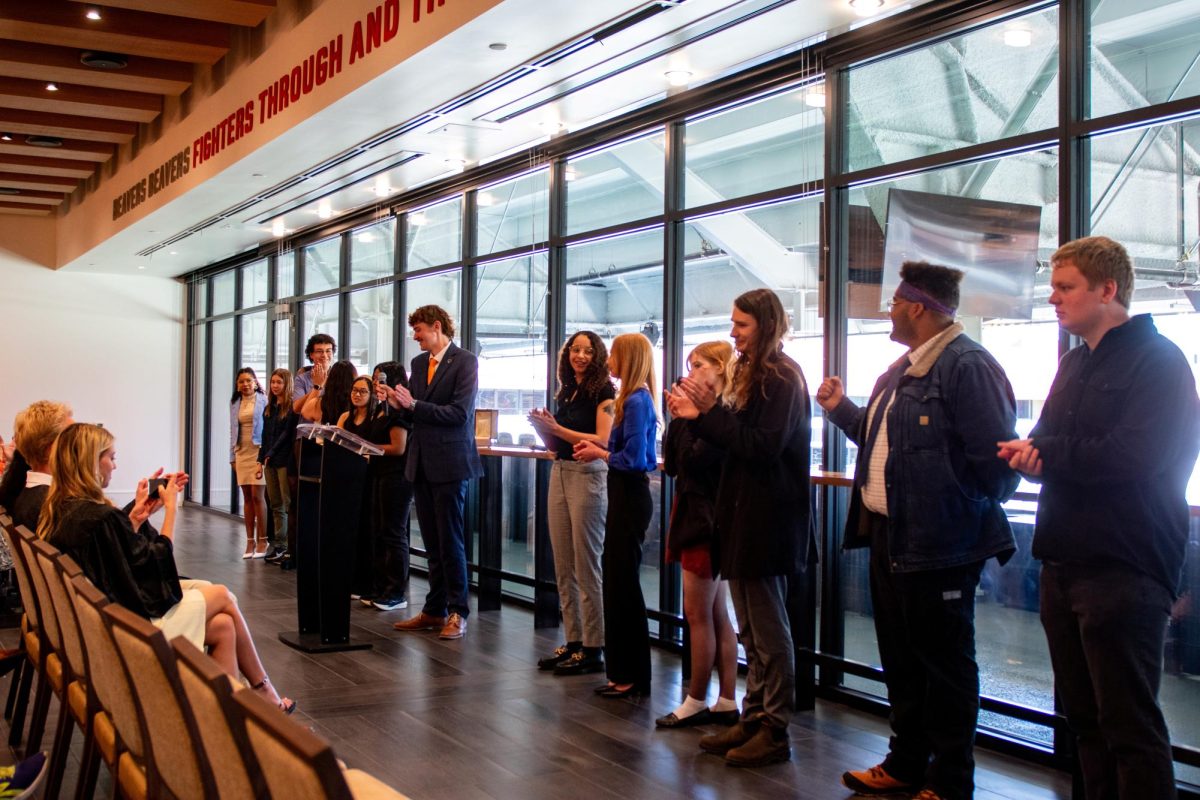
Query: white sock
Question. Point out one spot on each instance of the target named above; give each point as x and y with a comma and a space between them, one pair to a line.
689, 707
724, 704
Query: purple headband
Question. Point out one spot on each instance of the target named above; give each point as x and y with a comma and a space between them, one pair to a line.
914, 295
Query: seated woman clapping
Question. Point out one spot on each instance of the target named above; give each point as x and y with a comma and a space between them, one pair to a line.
134, 564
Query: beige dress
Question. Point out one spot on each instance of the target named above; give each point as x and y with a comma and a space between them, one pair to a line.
245, 461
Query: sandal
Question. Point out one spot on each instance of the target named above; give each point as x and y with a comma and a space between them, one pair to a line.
286, 704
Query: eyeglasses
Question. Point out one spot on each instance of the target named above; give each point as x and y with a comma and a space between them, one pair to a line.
360, 391
892, 303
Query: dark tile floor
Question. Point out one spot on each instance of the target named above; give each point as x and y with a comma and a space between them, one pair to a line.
475, 720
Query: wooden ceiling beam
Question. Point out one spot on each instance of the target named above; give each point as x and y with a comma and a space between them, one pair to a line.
41, 183
91, 129
55, 167
138, 33
35, 198
24, 209
244, 13
71, 149
42, 62
87, 101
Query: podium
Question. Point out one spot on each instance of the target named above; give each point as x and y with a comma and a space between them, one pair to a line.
333, 474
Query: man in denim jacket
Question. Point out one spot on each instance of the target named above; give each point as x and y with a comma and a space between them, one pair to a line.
1113, 449
926, 500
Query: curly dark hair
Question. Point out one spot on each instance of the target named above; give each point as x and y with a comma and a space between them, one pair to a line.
337, 391
430, 315
393, 371
594, 378
940, 283
245, 371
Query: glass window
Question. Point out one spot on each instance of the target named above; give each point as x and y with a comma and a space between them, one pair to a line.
1142, 53
254, 344
195, 469
514, 213
768, 144
254, 284
224, 292
285, 275
1014, 661
511, 333
199, 299
990, 83
322, 265
321, 316
373, 252
371, 326
434, 235
619, 184
440, 290
776, 247
220, 486
283, 343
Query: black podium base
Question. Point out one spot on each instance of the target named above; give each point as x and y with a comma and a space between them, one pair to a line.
311, 643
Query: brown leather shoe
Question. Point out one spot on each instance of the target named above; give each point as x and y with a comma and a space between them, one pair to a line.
421, 622
456, 626
767, 746
735, 735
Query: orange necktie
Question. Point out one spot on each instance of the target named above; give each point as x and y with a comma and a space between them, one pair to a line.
432, 369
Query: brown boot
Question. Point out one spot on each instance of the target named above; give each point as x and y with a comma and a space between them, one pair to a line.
737, 734
768, 746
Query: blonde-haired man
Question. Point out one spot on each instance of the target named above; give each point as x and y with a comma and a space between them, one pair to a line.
35, 431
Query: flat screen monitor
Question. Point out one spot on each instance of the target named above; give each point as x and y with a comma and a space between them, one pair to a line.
994, 243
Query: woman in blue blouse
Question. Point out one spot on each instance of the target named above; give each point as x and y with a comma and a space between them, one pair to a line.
630, 457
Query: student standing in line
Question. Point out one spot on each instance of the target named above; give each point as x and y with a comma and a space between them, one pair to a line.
578, 500
696, 466
630, 457
391, 501
245, 439
275, 456
763, 526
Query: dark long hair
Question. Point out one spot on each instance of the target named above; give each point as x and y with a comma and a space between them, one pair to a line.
594, 378
284, 405
766, 354
336, 400
244, 371
393, 371
372, 404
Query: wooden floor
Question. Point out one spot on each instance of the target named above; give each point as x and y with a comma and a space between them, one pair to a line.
475, 719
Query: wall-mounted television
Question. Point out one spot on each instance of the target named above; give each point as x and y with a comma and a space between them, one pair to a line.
994, 243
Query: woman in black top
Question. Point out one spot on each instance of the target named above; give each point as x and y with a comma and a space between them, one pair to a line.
578, 500
275, 456
134, 564
381, 562
696, 466
328, 405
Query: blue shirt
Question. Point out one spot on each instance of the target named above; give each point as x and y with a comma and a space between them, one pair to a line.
631, 444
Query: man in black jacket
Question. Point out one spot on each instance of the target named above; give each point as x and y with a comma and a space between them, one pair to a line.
927, 501
1114, 449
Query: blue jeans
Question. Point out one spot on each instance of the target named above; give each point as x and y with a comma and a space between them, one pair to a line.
1106, 627
440, 515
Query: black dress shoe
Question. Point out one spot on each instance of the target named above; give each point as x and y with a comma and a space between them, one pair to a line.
632, 691
560, 654
581, 663
602, 688
287, 563
701, 717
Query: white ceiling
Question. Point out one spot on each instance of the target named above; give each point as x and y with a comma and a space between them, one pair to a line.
707, 38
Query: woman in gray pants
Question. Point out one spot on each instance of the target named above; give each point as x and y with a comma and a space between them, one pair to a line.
578, 500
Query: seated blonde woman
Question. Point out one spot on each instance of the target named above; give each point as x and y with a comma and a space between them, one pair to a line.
134, 564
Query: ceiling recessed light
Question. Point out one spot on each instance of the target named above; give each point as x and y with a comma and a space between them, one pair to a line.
141, 266
383, 187
677, 77
93, 13
277, 229
1018, 36
815, 95
174, 252
324, 209
866, 8
99, 60
51, 87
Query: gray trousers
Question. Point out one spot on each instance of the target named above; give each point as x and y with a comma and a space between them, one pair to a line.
576, 507
279, 497
760, 605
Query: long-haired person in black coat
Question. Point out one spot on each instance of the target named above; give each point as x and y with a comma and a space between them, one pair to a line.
762, 514
695, 464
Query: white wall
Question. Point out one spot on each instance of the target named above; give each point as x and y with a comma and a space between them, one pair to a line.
111, 346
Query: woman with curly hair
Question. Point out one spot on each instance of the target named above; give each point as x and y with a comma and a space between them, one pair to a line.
577, 501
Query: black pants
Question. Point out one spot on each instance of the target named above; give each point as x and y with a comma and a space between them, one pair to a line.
1105, 627
626, 630
925, 624
391, 501
440, 515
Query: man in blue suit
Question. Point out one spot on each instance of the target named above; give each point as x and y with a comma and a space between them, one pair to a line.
442, 457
